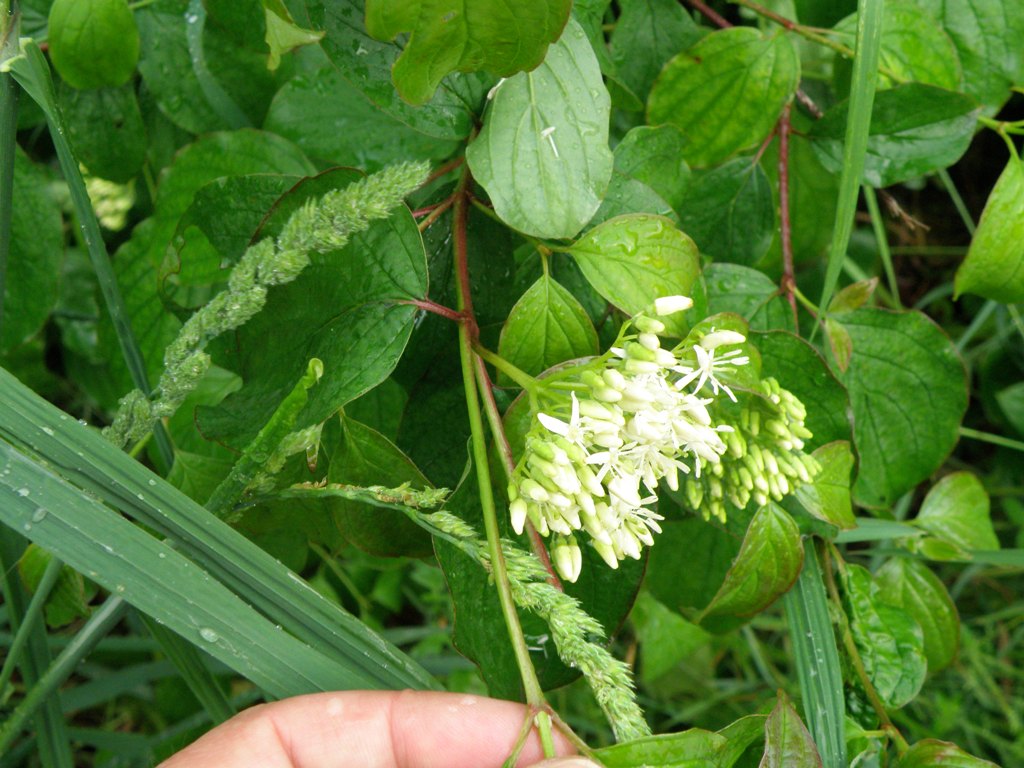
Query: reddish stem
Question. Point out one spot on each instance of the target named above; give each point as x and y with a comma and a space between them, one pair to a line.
435, 212
711, 14
438, 309
448, 167
788, 283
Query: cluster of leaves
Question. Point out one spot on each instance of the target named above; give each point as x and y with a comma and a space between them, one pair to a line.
589, 158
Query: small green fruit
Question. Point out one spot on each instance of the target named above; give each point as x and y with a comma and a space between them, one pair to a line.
93, 43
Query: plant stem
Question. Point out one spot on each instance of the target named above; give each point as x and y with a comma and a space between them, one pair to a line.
467, 336
520, 377
788, 282
8, 128
878, 225
437, 212
33, 614
988, 437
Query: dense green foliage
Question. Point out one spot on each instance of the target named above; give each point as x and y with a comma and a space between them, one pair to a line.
656, 363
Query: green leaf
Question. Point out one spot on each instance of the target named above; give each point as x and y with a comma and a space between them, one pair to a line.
36, 249
68, 600
913, 587
766, 566
283, 34
915, 130
787, 742
729, 211
987, 34
726, 92
913, 46
1011, 403
654, 156
956, 510
647, 34
633, 260
741, 734
201, 77
994, 267
828, 496
333, 122
546, 326
366, 64
932, 753
93, 43
799, 368
626, 196
448, 35
665, 637
105, 130
365, 457
749, 293
543, 153
694, 748
707, 551
888, 639
342, 309
908, 393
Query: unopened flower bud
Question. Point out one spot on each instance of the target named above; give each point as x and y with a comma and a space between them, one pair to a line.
668, 305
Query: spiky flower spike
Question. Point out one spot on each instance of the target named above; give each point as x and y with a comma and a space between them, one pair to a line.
636, 416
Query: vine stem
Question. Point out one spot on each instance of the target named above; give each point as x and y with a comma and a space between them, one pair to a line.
468, 332
788, 282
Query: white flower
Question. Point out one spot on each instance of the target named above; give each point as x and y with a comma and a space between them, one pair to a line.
708, 362
668, 305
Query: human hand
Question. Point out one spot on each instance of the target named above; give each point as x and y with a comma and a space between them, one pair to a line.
372, 729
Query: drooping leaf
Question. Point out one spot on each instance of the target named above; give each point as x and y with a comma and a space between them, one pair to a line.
726, 92
33, 263
908, 393
800, 369
987, 34
543, 153
766, 566
665, 637
546, 326
332, 121
932, 753
647, 34
448, 115
629, 196
956, 510
915, 130
913, 587
449, 35
694, 748
787, 741
729, 212
283, 34
633, 260
93, 43
828, 495
654, 156
994, 267
749, 293
888, 639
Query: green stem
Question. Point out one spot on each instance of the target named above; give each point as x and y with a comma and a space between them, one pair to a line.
958, 202
30, 620
467, 332
8, 129
878, 225
988, 437
365, 606
520, 377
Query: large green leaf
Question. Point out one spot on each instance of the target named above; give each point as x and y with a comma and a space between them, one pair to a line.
827, 496
634, 259
987, 34
911, 586
726, 92
654, 156
211, 566
343, 309
366, 64
694, 748
749, 293
665, 637
543, 153
546, 326
889, 640
33, 263
956, 510
766, 566
729, 211
93, 43
446, 35
799, 368
908, 393
915, 130
647, 34
932, 753
105, 130
994, 267
913, 46
787, 742
332, 121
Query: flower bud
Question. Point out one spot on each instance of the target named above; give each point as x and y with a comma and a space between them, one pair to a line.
566, 555
668, 305
517, 511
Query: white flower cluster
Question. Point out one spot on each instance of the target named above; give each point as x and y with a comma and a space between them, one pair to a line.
593, 462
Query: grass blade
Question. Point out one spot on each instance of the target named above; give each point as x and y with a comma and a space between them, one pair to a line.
817, 660
8, 129
30, 427
862, 99
29, 620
